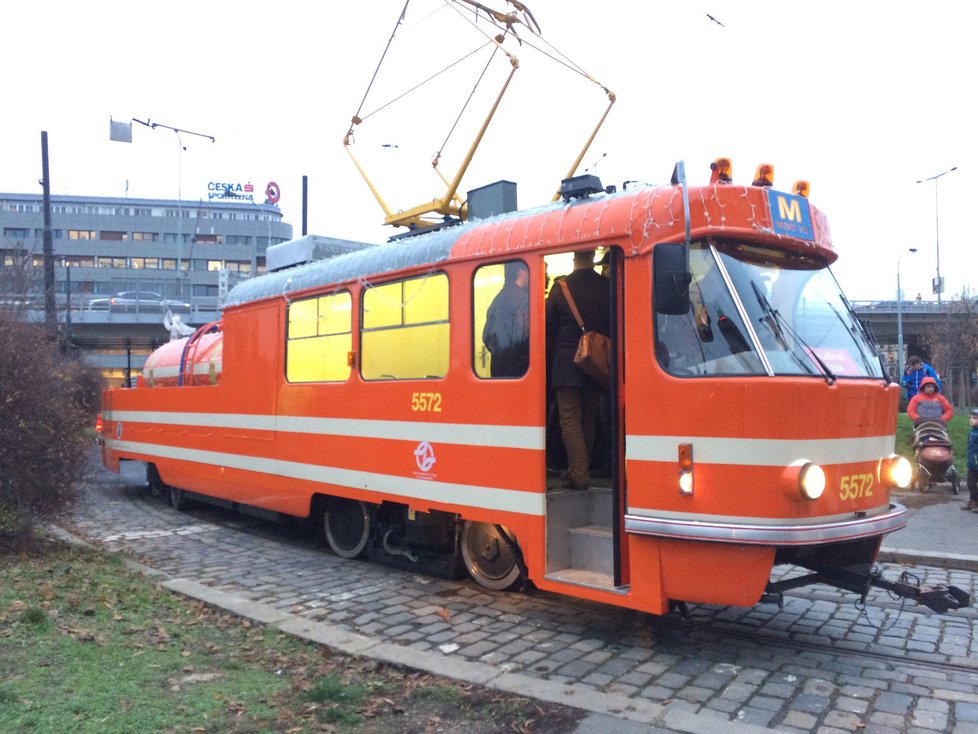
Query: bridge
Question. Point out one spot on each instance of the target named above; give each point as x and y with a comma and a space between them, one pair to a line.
919, 318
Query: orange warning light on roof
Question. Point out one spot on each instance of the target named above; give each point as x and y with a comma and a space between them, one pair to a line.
764, 175
722, 171
801, 188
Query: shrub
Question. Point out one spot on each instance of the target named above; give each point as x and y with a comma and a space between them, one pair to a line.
47, 405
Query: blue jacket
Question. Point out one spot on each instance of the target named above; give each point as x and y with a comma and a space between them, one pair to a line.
912, 378
973, 449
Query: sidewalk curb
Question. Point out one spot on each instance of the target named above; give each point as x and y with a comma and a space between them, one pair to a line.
951, 561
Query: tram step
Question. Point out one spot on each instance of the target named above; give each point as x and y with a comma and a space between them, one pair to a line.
583, 578
591, 548
574, 507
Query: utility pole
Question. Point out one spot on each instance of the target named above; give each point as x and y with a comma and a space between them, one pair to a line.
50, 314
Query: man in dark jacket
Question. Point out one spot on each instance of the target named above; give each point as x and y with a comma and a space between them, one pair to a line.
577, 394
507, 331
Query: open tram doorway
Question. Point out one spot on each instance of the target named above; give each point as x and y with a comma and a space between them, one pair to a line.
582, 499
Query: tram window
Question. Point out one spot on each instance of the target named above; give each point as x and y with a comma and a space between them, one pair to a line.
405, 330
710, 338
320, 339
501, 325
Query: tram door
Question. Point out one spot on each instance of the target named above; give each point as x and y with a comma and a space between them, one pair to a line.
582, 498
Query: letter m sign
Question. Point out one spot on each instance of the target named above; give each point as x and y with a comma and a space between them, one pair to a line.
790, 215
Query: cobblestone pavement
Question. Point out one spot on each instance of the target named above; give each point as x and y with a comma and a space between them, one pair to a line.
819, 664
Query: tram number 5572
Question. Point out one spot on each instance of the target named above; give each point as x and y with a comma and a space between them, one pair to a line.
855, 486
426, 402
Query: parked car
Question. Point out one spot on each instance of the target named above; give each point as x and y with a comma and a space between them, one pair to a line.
141, 301
136, 301
147, 301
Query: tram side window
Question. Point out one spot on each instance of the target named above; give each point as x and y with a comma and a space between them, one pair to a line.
320, 339
501, 328
405, 331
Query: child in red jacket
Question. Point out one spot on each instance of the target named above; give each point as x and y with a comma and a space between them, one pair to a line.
929, 404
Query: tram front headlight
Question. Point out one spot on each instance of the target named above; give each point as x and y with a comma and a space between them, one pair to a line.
811, 481
896, 471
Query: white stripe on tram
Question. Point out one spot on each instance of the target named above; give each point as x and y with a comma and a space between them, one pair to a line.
760, 451
465, 434
489, 498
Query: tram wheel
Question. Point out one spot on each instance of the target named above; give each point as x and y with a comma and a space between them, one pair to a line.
178, 498
489, 557
346, 524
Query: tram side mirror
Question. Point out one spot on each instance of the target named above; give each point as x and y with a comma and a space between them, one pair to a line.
671, 279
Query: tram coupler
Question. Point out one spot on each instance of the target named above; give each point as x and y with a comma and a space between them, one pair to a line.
940, 598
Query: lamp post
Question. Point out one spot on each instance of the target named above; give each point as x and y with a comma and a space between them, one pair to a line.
938, 281
899, 295
122, 132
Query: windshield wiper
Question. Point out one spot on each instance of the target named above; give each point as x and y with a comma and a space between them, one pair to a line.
855, 333
779, 325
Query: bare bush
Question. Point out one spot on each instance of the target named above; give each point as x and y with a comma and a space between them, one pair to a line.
953, 346
47, 408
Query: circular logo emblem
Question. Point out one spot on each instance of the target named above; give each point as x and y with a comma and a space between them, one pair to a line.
272, 192
424, 456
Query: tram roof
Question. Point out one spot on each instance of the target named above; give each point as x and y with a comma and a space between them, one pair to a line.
634, 219
428, 248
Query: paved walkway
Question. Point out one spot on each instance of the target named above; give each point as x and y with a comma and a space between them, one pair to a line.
818, 664
938, 533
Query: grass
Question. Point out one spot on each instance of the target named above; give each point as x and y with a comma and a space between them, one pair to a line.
88, 646
958, 428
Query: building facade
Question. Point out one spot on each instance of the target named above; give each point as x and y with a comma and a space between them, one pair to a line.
185, 252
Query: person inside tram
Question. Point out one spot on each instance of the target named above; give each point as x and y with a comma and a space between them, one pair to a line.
577, 394
507, 330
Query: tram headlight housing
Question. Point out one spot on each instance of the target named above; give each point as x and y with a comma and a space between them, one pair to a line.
811, 481
895, 471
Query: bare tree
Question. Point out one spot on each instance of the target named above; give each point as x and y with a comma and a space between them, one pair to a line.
953, 346
19, 278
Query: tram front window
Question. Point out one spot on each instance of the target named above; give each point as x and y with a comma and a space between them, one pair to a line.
785, 315
710, 338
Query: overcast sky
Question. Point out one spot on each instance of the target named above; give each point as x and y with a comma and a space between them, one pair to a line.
860, 98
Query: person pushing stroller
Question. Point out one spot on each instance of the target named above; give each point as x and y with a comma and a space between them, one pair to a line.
930, 411
929, 404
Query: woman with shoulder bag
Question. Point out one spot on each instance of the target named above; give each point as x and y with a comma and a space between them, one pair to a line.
578, 394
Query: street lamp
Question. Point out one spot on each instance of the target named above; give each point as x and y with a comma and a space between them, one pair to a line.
122, 132
938, 281
899, 295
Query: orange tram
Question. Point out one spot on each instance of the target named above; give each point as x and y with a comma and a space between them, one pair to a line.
749, 422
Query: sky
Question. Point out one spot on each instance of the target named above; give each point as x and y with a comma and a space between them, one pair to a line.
862, 99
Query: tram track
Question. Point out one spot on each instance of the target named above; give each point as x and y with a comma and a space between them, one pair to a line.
724, 631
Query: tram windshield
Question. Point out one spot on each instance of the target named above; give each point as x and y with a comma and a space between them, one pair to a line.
756, 311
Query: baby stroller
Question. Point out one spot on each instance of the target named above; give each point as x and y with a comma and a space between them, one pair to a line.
932, 451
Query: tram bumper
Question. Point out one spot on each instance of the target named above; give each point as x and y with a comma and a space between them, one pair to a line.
779, 534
